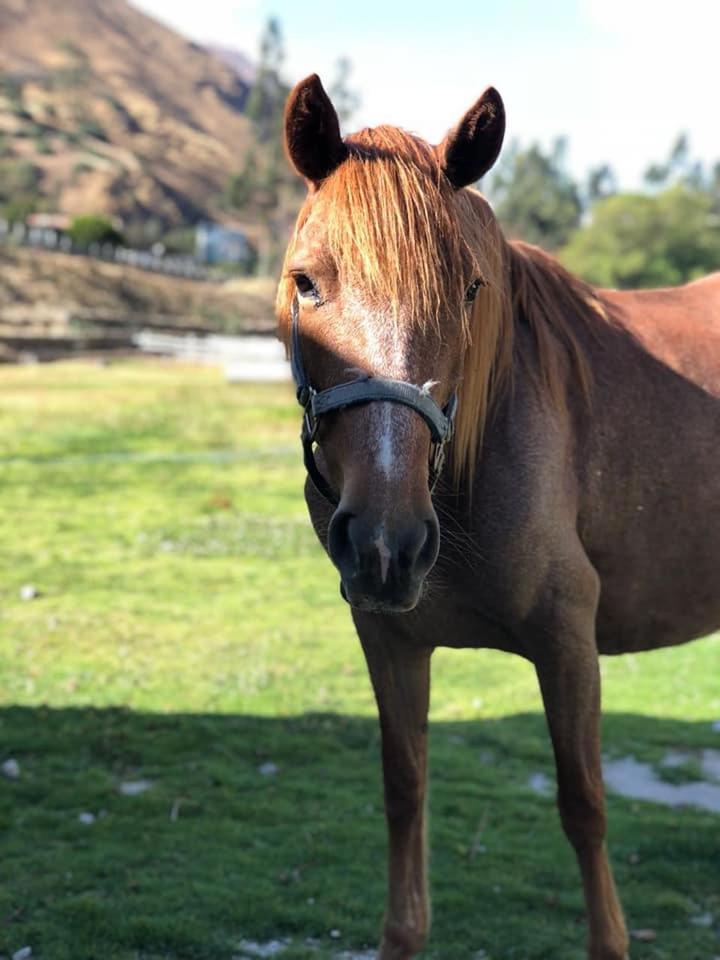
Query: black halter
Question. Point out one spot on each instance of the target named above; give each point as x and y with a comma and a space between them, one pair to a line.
363, 390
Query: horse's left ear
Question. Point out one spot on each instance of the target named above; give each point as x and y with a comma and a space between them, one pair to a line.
472, 147
312, 131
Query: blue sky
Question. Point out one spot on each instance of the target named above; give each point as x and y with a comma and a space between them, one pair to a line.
620, 78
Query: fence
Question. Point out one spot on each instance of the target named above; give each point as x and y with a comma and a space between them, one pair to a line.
48, 239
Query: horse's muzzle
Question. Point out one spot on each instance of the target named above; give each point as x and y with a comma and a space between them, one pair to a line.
382, 564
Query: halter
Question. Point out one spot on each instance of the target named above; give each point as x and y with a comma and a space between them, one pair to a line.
363, 390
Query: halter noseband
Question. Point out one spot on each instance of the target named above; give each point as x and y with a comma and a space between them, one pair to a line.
363, 390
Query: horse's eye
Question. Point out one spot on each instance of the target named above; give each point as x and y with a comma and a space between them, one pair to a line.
304, 285
472, 290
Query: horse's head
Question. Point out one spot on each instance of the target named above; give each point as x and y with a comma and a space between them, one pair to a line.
390, 262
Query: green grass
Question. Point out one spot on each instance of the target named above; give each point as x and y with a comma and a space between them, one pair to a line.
188, 629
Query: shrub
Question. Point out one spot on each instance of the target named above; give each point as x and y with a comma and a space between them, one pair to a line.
42, 145
91, 128
19, 208
18, 177
180, 240
93, 229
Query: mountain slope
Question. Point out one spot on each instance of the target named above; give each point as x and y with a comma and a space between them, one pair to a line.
104, 108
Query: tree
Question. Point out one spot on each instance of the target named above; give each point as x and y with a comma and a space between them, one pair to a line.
267, 98
255, 190
534, 196
636, 240
19, 177
601, 183
19, 190
241, 187
344, 98
87, 230
678, 167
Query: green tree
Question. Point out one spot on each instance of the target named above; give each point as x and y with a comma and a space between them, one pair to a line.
255, 190
19, 190
267, 97
678, 167
19, 208
18, 177
601, 183
636, 240
535, 197
242, 186
87, 230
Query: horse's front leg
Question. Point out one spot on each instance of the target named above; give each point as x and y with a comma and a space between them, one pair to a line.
401, 679
570, 682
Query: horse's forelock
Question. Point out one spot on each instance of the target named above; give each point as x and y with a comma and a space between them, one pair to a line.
392, 228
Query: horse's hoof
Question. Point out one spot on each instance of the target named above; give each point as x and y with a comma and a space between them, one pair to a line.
400, 944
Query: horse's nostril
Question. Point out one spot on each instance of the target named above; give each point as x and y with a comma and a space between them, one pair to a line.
340, 545
431, 545
411, 545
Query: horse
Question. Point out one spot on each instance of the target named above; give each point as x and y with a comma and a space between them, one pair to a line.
578, 512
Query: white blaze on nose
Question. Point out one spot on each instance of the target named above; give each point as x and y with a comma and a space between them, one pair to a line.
386, 347
386, 447
384, 552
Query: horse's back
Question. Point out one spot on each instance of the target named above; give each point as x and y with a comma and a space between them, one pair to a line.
679, 326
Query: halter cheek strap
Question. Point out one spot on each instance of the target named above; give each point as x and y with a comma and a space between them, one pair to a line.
363, 390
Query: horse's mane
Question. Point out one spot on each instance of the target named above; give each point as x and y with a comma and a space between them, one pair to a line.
395, 224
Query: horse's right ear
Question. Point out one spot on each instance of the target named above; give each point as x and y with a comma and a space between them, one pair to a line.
472, 147
312, 131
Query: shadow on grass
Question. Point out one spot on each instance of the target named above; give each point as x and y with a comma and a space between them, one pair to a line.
265, 827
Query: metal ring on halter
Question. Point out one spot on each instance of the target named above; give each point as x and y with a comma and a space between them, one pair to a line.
440, 420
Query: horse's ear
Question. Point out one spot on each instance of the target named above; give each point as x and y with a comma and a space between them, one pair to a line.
312, 131
472, 147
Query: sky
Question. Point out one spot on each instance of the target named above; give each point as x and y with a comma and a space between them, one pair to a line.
619, 78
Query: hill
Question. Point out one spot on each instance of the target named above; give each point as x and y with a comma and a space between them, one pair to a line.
103, 108
53, 304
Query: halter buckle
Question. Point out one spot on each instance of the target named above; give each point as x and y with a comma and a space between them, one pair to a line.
310, 425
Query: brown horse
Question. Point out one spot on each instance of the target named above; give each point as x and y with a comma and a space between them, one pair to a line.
580, 510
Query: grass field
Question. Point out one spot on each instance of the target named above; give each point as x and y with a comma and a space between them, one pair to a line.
186, 631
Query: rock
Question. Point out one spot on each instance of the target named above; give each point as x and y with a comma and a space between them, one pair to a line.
639, 781
334, 934
646, 935
87, 818
716, 726
24, 953
28, 592
268, 769
676, 758
132, 788
11, 769
251, 948
540, 783
710, 764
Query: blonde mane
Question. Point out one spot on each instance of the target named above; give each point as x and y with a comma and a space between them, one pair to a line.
395, 225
